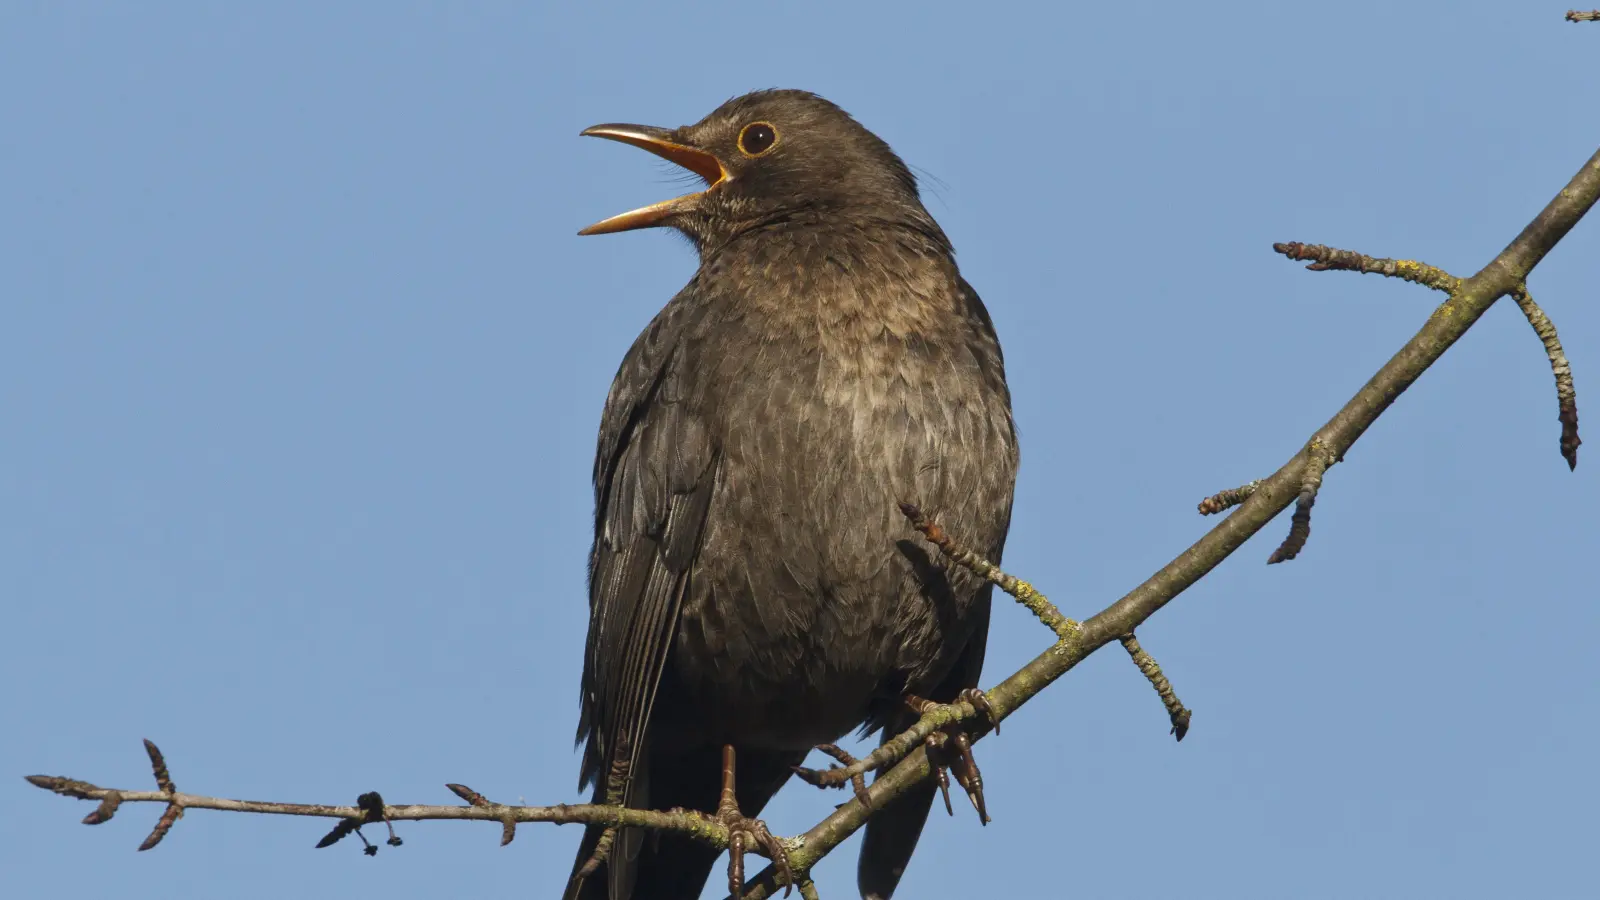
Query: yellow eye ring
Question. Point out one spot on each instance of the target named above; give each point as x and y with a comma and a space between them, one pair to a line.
757, 139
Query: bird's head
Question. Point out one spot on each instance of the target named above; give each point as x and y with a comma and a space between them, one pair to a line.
767, 158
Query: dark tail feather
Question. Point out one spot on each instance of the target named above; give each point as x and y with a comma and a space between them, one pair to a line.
669, 867
892, 832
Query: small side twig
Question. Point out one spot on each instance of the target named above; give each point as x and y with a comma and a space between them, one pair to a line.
508, 829
1327, 259
174, 810
1575, 16
1228, 499
1300, 524
1065, 629
104, 812
1566, 393
1176, 711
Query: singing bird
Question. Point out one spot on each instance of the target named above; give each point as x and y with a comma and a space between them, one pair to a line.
754, 589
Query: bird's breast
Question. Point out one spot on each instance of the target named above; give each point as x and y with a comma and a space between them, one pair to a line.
803, 590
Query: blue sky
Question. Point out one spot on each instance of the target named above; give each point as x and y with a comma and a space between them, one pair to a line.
301, 362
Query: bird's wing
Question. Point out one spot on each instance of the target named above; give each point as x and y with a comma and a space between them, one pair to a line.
656, 467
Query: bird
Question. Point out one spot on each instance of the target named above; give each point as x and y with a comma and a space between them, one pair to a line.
754, 589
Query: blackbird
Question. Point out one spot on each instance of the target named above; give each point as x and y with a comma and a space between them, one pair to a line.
754, 589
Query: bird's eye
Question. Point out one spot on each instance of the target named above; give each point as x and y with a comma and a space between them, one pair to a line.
757, 138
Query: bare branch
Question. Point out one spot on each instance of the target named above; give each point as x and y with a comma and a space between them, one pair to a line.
1300, 525
1228, 499
1575, 16
1446, 326
1330, 259
688, 822
1176, 711
1566, 393
1024, 593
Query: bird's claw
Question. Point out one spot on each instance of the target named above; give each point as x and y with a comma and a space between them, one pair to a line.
950, 751
747, 835
980, 702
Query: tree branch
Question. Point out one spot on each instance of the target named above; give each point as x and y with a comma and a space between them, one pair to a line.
688, 822
1446, 326
1257, 504
1176, 711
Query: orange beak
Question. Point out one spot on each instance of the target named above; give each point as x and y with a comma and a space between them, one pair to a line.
660, 142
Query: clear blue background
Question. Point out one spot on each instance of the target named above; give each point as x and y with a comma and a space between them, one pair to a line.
301, 363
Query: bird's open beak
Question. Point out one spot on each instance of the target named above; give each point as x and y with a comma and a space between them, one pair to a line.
660, 142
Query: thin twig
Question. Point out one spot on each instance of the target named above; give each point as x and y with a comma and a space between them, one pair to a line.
1065, 629
1566, 393
1326, 259
688, 822
1575, 16
1176, 711
1228, 499
1300, 524
508, 830
1331, 258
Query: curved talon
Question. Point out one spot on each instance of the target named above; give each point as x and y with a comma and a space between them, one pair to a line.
965, 768
950, 748
980, 702
935, 743
752, 835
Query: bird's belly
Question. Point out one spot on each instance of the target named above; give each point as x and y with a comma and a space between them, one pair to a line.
805, 609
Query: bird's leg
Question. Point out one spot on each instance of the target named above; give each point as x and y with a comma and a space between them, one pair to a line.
746, 834
950, 750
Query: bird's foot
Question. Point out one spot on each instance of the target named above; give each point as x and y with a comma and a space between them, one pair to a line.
949, 748
751, 835
819, 779
747, 835
950, 751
